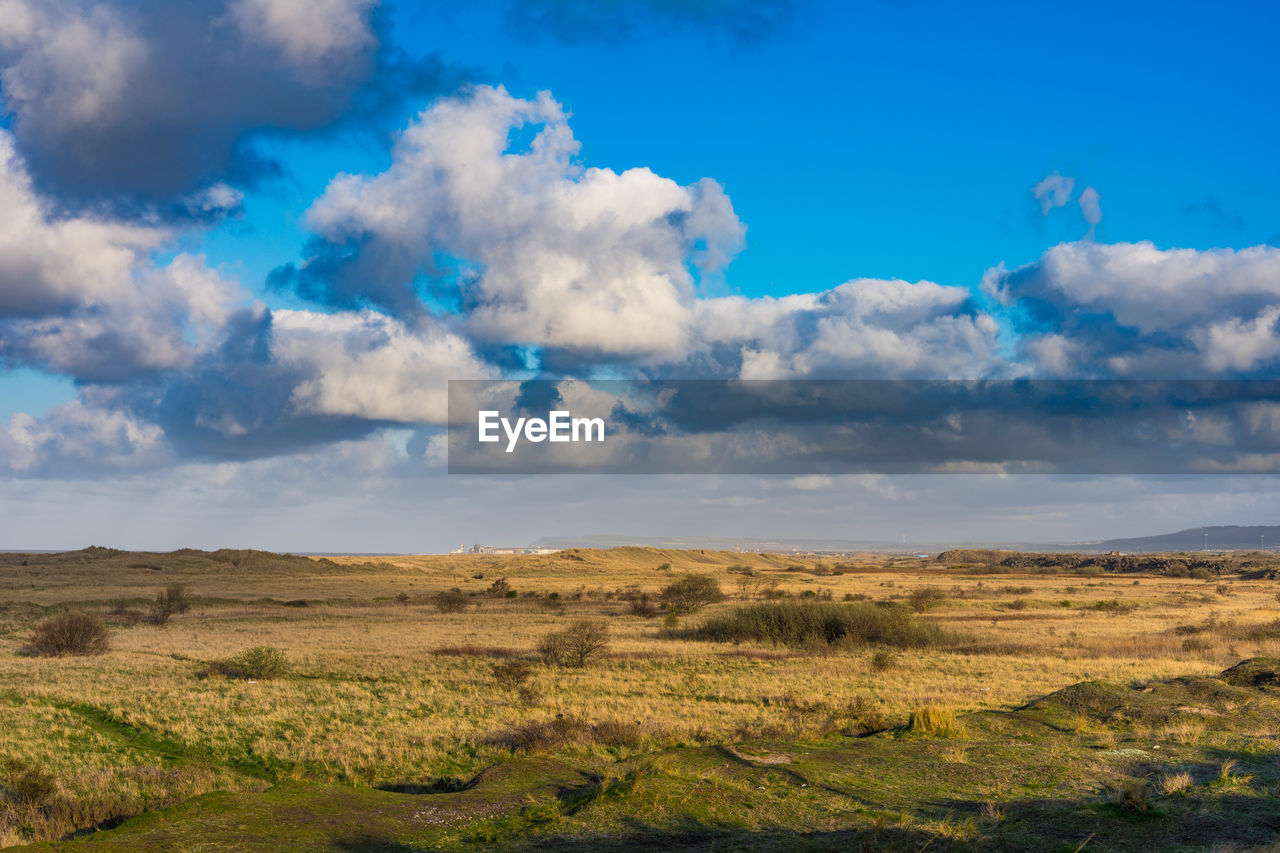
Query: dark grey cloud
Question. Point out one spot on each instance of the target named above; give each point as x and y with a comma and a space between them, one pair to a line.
574, 21
144, 106
803, 427
238, 401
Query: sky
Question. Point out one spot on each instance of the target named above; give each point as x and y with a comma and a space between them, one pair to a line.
245, 243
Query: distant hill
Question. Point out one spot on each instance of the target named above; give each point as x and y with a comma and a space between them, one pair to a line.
1220, 538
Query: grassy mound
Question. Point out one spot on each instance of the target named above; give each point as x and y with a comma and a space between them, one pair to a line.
1254, 672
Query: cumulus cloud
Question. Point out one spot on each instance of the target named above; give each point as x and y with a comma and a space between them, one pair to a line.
314, 37
1132, 309
140, 105
89, 435
534, 248
372, 366
81, 295
863, 328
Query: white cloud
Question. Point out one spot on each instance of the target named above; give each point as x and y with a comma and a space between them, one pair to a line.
311, 35
1132, 309
372, 366
72, 61
584, 259
1052, 191
864, 328
82, 296
84, 436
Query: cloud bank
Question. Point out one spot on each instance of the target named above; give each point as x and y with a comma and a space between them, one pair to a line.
486, 247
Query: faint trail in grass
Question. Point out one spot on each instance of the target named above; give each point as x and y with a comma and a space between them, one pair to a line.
142, 740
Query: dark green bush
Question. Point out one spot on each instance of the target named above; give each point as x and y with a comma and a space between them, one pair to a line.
793, 623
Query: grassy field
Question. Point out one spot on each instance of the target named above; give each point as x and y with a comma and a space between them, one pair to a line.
1024, 703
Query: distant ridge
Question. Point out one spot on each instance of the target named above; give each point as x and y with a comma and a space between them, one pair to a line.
1220, 538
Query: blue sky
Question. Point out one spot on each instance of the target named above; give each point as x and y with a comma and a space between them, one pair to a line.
884, 141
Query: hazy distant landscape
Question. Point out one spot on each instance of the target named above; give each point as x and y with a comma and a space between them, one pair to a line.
636, 698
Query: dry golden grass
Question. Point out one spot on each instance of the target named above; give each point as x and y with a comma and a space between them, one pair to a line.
386, 691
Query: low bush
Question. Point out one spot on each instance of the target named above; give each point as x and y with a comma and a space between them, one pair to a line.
577, 645
28, 785
259, 663
170, 601
883, 661
536, 735
639, 601
691, 593
451, 601
792, 623
127, 615
511, 674
926, 598
69, 634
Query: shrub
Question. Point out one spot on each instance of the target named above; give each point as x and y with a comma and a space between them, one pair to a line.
641, 602
126, 614
865, 717
1196, 645
691, 593
257, 663
499, 588
402, 598
511, 674
883, 661
793, 623
69, 634
1133, 795
576, 645
1200, 573
452, 601
741, 570
169, 601
537, 734
550, 734
28, 785
926, 598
